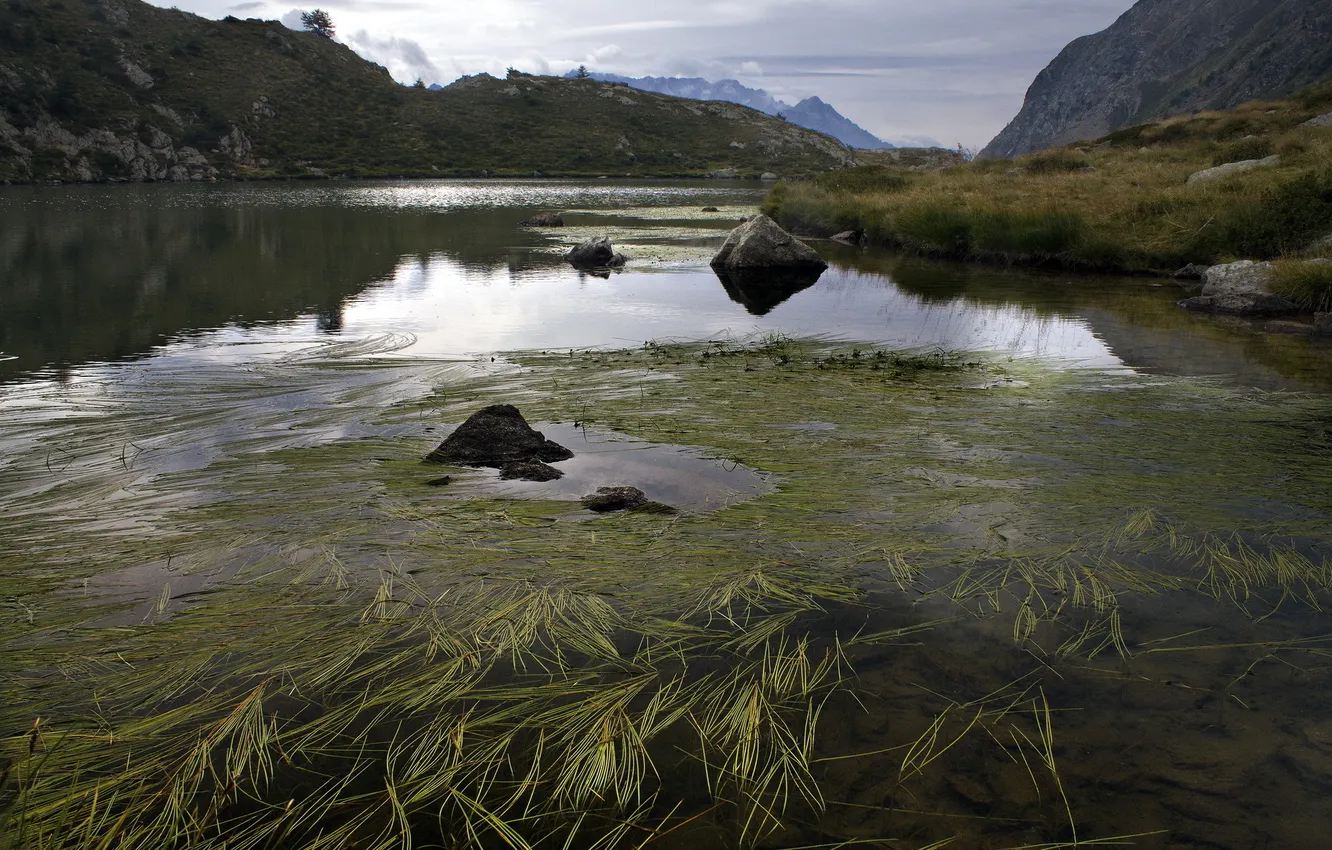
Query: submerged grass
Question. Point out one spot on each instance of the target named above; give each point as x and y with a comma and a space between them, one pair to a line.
1120, 203
380, 665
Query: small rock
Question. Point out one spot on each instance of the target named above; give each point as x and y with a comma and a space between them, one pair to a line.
530, 470
608, 499
545, 220
724, 174
848, 237
769, 176
1190, 272
497, 436
761, 243
442, 481
1233, 168
1243, 276
711, 209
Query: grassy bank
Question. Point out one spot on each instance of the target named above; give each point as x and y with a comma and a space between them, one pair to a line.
1121, 203
945, 582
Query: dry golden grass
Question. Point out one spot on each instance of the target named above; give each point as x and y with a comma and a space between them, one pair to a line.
1119, 203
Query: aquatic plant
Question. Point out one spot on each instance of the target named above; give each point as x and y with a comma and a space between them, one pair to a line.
954, 569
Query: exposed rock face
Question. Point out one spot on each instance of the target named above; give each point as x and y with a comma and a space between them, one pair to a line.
1170, 57
1230, 168
497, 436
1240, 289
761, 244
1321, 121
595, 254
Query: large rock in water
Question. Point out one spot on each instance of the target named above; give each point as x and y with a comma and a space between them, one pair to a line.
497, 436
761, 244
1240, 289
595, 254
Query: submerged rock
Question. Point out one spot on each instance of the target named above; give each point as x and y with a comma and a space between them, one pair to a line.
497, 436
608, 499
1240, 289
530, 470
545, 220
595, 253
761, 244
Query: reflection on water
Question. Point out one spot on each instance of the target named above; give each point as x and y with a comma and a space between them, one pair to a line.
96, 274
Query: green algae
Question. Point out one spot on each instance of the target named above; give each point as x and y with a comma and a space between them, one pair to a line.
373, 665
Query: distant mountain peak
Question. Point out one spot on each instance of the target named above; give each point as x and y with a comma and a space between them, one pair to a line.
812, 113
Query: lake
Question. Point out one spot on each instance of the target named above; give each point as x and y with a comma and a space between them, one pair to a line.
964, 556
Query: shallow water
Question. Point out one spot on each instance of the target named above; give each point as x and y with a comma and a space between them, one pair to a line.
208, 381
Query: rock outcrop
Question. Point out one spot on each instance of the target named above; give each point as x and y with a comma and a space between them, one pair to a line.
1171, 57
499, 437
1230, 168
1240, 289
761, 243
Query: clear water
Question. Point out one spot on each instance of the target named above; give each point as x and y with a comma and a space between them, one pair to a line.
151, 334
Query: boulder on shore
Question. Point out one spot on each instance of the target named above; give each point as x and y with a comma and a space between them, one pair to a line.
761, 244
544, 220
1240, 289
595, 254
497, 436
608, 499
848, 237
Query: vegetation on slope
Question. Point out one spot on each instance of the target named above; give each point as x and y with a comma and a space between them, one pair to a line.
1122, 202
119, 89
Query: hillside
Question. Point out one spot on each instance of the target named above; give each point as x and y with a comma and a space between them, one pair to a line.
118, 89
1148, 198
811, 113
1164, 58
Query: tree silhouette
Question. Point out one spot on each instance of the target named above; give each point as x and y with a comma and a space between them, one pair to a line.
582, 72
318, 22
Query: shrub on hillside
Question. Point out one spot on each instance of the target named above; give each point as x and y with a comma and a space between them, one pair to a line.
1255, 148
1054, 162
868, 178
1283, 219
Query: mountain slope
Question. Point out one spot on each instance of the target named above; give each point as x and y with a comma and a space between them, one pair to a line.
817, 115
811, 113
118, 89
1172, 57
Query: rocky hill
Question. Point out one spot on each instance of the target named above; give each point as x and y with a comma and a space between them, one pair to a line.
1172, 57
121, 90
811, 113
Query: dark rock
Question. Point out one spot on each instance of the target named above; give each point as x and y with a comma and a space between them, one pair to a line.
761, 290
848, 237
608, 499
761, 244
545, 220
1190, 272
530, 470
711, 209
1241, 304
1322, 324
442, 481
595, 253
497, 436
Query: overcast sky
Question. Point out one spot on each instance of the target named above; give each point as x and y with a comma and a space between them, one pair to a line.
948, 70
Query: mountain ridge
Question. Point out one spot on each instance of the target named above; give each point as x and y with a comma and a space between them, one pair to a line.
811, 113
122, 90
1164, 58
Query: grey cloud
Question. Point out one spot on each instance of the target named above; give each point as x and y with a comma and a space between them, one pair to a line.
406, 59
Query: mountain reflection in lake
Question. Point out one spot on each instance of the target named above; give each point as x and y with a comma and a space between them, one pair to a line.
94, 274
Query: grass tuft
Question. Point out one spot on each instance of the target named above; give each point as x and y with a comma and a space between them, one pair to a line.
1305, 282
